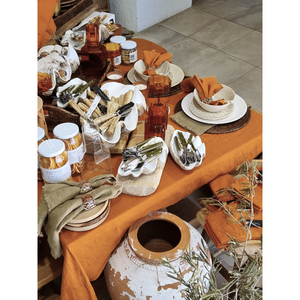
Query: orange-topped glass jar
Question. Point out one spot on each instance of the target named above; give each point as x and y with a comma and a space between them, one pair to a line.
71, 137
54, 162
113, 54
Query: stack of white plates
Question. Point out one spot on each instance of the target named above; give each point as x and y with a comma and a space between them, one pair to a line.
176, 75
90, 219
232, 113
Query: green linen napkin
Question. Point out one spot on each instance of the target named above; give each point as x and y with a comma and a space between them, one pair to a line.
188, 123
61, 202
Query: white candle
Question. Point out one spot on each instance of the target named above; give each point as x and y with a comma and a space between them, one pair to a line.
141, 86
114, 76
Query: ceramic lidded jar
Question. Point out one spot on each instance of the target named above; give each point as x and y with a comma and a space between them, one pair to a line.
134, 270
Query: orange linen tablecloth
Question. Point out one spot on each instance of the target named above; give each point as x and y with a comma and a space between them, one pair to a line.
86, 253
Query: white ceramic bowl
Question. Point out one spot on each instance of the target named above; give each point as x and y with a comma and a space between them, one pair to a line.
225, 93
196, 142
149, 167
140, 67
130, 122
75, 81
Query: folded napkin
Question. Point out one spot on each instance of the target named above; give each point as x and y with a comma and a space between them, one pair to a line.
217, 102
188, 123
218, 225
61, 202
241, 183
206, 87
222, 181
153, 60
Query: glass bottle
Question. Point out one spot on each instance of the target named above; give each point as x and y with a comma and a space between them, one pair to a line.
157, 121
93, 53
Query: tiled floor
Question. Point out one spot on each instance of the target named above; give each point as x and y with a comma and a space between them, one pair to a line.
221, 38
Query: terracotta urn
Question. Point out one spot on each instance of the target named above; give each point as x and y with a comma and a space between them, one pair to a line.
134, 269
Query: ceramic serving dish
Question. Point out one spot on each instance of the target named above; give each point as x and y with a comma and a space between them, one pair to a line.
140, 67
130, 122
60, 62
148, 167
225, 93
198, 145
76, 82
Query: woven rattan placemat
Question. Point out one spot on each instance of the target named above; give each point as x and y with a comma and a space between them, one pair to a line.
223, 128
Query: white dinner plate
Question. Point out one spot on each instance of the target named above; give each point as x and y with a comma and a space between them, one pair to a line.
178, 75
240, 108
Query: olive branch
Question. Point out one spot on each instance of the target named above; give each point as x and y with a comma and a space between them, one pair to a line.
246, 275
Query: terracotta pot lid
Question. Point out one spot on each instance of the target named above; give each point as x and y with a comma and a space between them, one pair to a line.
172, 254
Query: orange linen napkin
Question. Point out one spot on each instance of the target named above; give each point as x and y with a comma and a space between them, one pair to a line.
206, 87
220, 182
241, 184
46, 25
227, 181
218, 227
217, 102
153, 59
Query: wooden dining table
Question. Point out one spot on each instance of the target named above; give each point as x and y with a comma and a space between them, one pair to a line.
86, 253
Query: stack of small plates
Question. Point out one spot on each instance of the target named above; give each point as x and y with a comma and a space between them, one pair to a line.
90, 219
232, 113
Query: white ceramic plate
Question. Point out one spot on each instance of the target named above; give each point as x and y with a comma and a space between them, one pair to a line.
129, 124
75, 81
198, 145
178, 75
198, 111
240, 108
149, 167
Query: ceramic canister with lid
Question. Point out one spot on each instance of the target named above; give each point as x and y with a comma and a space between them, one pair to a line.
54, 162
69, 133
40, 138
129, 52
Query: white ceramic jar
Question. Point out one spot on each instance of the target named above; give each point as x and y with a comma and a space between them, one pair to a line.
134, 270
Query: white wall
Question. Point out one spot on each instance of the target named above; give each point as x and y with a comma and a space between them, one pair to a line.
137, 15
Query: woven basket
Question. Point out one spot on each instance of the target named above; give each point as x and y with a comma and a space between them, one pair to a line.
55, 115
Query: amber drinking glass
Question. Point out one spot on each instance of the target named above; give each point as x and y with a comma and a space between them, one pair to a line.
157, 120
